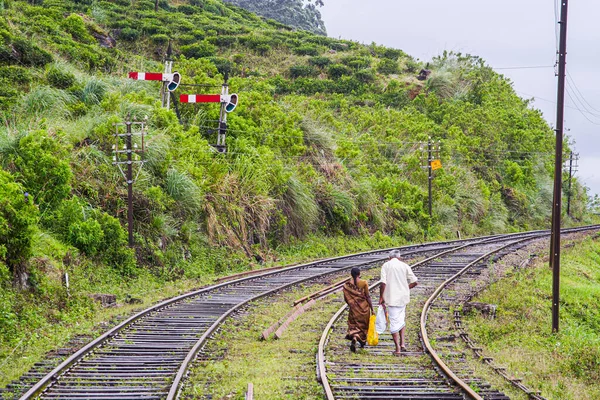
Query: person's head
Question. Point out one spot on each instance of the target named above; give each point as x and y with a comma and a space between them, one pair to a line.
395, 254
355, 272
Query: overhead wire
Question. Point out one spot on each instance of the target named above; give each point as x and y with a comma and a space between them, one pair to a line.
574, 85
578, 109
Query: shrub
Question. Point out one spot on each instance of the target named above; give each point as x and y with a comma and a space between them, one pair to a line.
306, 50
74, 25
412, 66
18, 218
22, 51
223, 65
15, 74
87, 236
263, 49
319, 61
357, 62
159, 39
365, 75
392, 54
336, 71
58, 77
186, 9
42, 164
199, 50
225, 40
297, 71
388, 66
129, 34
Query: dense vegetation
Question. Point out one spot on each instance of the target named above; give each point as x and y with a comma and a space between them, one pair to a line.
323, 150
290, 12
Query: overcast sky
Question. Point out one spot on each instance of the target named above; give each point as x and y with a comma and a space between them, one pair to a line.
506, 33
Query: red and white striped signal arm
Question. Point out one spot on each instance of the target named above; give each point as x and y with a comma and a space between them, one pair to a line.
200, 98
230, 100
172, 79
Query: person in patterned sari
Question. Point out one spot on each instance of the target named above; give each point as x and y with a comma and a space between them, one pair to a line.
356, 295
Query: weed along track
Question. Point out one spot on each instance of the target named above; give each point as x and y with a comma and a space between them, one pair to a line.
435, 365
148, 355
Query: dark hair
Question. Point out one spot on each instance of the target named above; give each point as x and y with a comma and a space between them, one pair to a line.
355, 272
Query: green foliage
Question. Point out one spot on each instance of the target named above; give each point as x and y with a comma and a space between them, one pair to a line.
18, 219
297, 71
19, 50
41, 163
336, 71
388, 66
307, 50
365, 75
87, 236
74, 25
59, 77
319, 61
199, 50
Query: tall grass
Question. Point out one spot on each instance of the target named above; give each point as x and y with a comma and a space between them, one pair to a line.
47, 102
184, 190
299, 206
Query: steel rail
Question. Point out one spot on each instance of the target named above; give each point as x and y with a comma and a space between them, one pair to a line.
71, 361
322, 373
320, 358
464, 386
176, 385
446, 370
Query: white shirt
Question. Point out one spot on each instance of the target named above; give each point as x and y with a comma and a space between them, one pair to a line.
397, 275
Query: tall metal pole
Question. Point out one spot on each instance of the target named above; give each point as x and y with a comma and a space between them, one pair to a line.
570, 178
221, 147
556, 203
129, 182
429, 160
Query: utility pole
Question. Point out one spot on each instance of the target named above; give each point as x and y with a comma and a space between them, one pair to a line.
430, 169
556, 202
129, 178
165, 94
570, 177
572, 169
130, 154
221, 146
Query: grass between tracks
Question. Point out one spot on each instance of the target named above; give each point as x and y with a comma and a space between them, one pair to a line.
563, 366
278, 369
48, 322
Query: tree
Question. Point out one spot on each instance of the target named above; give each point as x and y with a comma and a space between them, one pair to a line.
18, 218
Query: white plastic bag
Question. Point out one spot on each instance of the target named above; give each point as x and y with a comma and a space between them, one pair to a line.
381, 321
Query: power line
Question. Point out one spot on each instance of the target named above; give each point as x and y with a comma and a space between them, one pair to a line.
578, 109
579, 91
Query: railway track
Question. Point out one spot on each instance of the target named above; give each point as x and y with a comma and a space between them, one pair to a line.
431, 368
148, 355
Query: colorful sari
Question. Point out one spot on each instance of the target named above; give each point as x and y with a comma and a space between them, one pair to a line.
359, 309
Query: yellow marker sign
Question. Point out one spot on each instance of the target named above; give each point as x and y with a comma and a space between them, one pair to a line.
436, 164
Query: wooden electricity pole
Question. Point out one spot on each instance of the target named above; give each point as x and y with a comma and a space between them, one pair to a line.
556, 202
429, 160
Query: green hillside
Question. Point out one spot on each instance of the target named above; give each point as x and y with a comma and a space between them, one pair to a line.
324, 152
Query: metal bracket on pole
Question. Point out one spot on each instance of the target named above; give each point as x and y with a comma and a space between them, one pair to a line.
130, 154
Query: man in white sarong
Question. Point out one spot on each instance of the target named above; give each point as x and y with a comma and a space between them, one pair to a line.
396, 281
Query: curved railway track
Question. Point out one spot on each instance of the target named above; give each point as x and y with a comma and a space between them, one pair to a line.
148, 355
422, 373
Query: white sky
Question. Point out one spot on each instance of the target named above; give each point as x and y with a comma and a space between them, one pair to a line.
507, 33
